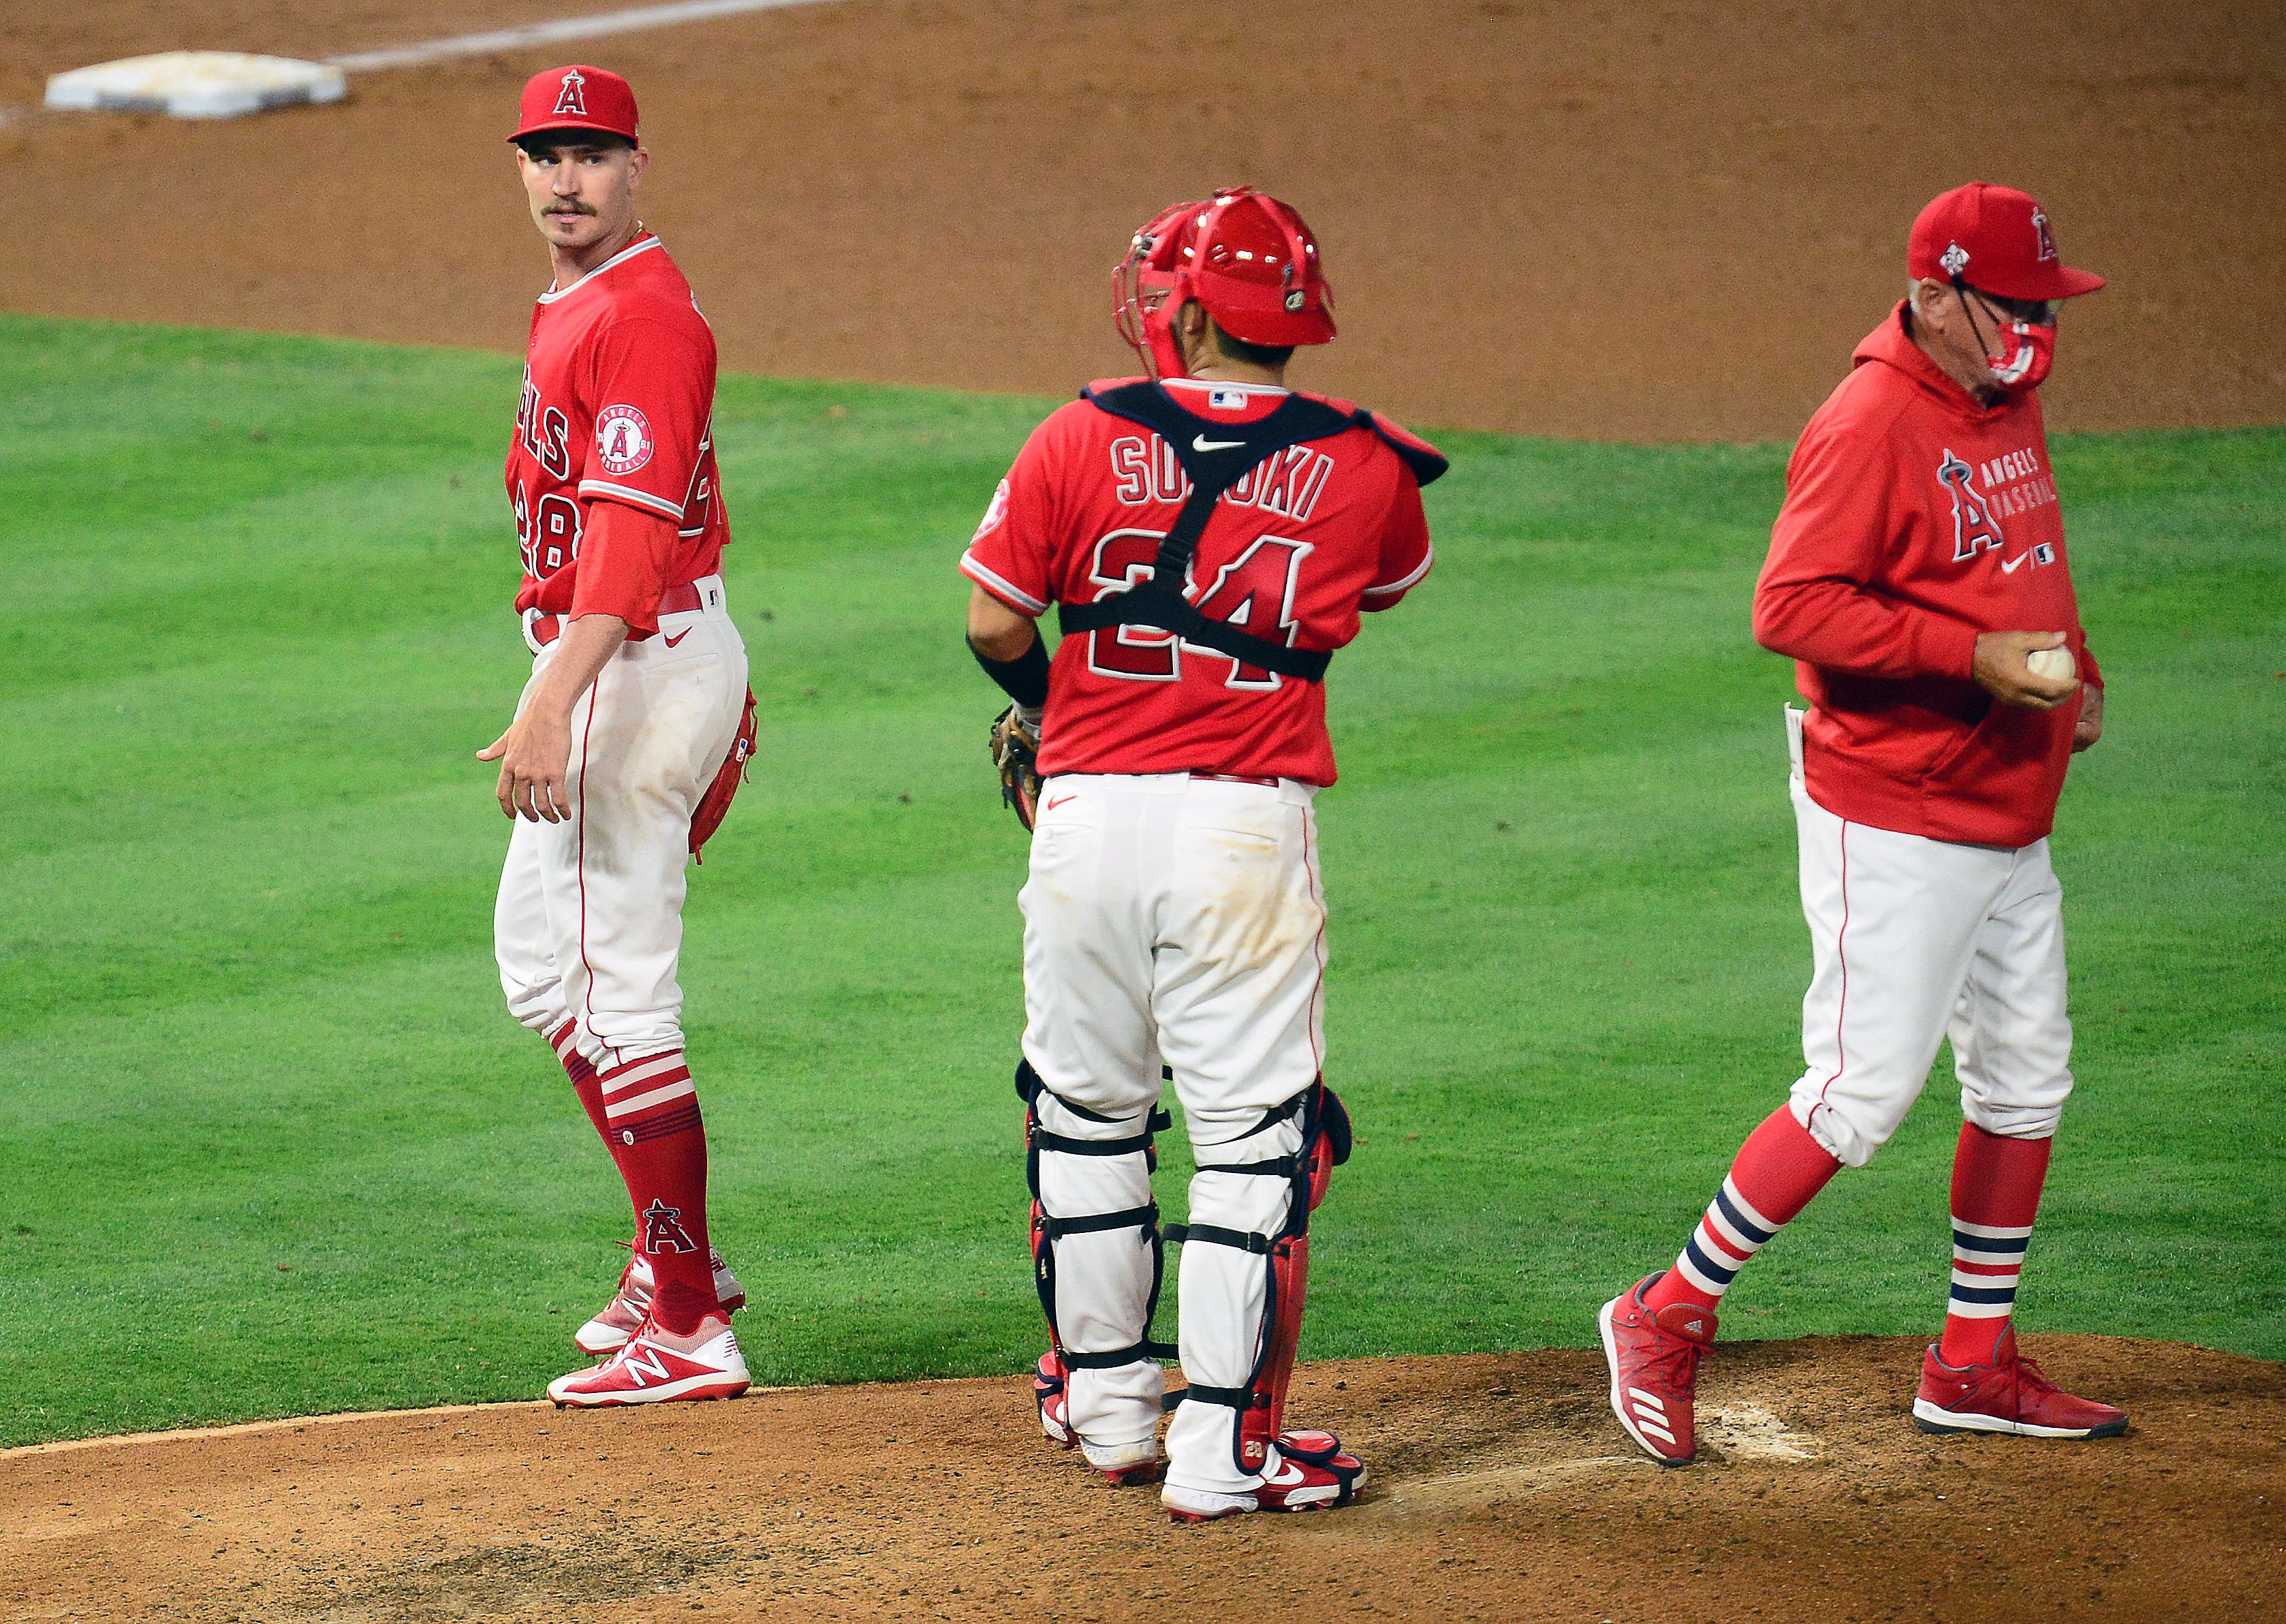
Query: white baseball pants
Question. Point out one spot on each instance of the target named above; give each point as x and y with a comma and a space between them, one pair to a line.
588, 925
1913, 941
1176, 918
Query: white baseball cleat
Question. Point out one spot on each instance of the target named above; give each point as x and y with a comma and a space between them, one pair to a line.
623, 1316
1140, 1462
1309, 1472
657, 1367
1125, 1464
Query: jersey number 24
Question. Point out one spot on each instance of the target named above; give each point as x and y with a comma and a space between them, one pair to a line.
1254, 592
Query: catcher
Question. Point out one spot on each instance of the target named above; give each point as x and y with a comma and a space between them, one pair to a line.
1210, 537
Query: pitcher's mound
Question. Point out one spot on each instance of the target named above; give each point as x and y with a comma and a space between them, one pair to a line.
1502, 1490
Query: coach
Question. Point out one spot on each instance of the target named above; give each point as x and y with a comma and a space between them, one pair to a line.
1918, 574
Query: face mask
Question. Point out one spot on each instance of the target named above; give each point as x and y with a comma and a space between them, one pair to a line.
2031, 352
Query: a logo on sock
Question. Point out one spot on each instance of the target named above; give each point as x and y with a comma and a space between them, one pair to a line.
663, 1230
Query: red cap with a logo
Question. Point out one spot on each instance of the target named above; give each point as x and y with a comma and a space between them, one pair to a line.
1995, 239
577, 97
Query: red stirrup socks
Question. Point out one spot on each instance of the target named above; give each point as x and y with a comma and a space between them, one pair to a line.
654, 1129
1995, 1194
564, 1040
1780, 1168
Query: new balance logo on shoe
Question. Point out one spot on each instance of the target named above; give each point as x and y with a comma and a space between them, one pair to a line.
644, 1363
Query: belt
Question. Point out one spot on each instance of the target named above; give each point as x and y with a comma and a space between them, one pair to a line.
1267, 784
540, 630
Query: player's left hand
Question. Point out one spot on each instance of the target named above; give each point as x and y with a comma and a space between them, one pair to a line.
2089, 728
534, 755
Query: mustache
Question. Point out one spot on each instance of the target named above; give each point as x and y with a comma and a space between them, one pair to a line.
568, 206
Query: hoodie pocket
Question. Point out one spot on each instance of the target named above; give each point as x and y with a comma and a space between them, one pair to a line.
2001, 778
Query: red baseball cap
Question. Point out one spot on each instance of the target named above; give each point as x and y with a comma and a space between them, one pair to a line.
1996, 239
577, 97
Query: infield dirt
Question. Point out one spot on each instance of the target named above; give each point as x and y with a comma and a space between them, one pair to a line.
1630, 222
1502, 1490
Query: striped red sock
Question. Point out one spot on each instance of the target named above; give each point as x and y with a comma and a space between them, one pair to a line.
565, 1041
1995, 1195
1780, 1168
661, 1143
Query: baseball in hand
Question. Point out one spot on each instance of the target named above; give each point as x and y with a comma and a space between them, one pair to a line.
2055, 665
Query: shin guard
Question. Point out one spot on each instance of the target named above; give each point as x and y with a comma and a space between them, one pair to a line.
1261, 1401
1097, 1258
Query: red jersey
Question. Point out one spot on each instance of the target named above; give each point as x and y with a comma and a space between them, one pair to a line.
619, 404
1293, 552
1914, 519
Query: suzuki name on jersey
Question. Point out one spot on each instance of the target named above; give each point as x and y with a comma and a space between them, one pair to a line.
1146, 470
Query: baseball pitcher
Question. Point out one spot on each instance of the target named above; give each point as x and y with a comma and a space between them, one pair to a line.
1918, 576
1210, 538
631, 734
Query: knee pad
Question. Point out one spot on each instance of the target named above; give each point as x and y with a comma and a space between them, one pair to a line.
1117, 1155
1325, 1145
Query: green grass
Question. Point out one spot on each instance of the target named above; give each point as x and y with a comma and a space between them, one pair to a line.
275, 1148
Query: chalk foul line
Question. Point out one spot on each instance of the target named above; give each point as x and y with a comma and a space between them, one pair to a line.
530, 34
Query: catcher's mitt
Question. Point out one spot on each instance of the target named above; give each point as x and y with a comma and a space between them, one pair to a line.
1016, 753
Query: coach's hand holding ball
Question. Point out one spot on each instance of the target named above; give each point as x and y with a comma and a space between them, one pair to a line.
2054, 664
2031, 669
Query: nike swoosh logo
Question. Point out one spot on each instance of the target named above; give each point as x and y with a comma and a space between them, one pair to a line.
1052, 805
1200, 443
2008, 565
678, 637
1288, 1475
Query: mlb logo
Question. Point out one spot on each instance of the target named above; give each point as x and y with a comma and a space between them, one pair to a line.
2043, 554
1227, 399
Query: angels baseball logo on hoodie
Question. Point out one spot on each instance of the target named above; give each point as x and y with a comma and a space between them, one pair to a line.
1973, 527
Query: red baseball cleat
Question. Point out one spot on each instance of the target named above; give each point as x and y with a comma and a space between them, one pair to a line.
2008, 1395
1309, 1472
1049, 1396
1654, 1363
657, 1366
623, 1316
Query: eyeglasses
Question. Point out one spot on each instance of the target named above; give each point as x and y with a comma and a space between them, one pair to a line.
2031, 312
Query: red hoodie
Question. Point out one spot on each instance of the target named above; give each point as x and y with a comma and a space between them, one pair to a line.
1914, 519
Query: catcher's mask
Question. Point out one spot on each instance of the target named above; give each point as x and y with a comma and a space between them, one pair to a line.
1247, 257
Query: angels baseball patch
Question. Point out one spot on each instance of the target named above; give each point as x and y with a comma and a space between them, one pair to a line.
623, 442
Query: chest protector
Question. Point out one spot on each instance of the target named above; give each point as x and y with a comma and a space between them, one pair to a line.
1216, 456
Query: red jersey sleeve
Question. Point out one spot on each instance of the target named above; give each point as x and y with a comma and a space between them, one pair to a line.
1009, 554
1407, 555
653, 390
1813, 601
653, 387
624, 560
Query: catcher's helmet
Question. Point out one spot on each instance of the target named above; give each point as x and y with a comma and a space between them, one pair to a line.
1244, 256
